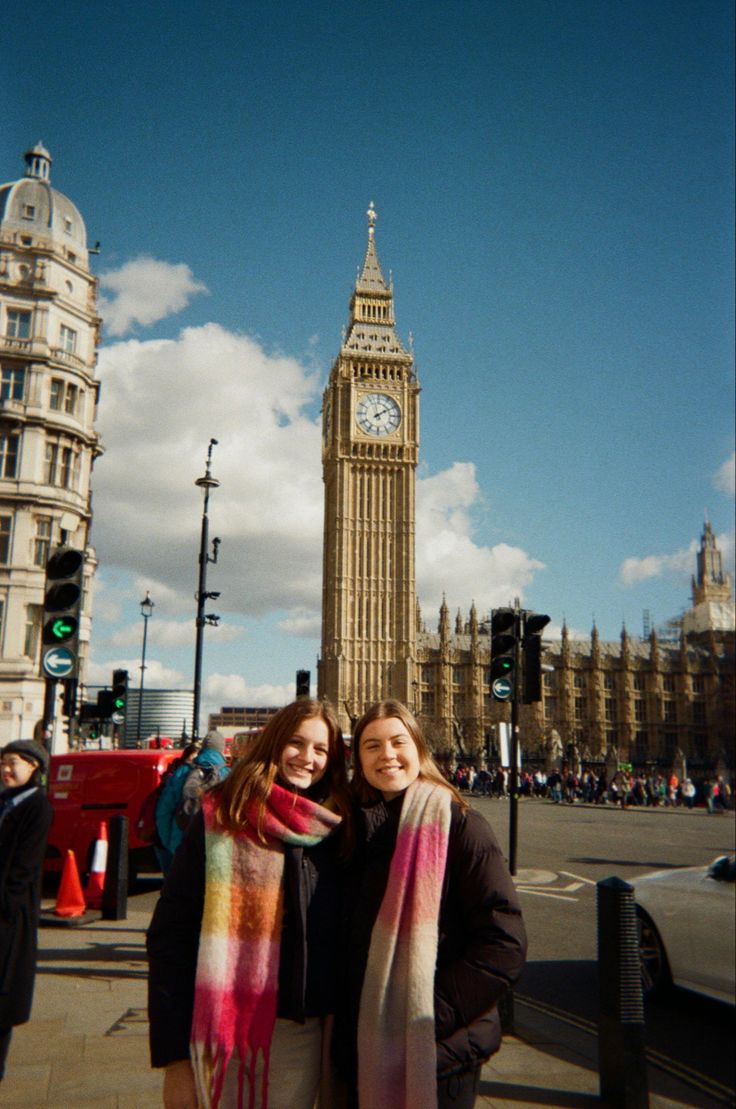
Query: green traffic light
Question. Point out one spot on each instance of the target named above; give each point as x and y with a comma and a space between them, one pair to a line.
63, 628
119, 702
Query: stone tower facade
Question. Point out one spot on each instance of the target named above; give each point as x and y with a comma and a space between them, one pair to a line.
49, 332
369, 457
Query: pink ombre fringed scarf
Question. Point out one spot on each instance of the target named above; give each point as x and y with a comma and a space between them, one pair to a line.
396, 1041
238, 962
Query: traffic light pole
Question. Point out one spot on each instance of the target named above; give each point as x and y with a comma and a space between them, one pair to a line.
514, 752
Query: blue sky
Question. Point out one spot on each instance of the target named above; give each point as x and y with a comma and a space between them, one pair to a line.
554, 183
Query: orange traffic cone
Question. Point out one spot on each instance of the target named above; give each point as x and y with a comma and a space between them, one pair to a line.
70, 899
96, 880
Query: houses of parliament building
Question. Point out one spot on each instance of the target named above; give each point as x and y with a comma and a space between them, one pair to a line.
647, 699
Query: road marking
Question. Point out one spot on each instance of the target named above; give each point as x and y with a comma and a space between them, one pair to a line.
686, 1074
579, 878
545, 893
529, 877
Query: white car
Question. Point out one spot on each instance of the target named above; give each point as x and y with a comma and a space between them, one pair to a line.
687, 920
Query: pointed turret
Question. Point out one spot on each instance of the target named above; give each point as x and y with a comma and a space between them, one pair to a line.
711, 583
371, 322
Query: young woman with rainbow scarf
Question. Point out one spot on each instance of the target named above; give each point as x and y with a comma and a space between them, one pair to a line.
433, 935
242, 944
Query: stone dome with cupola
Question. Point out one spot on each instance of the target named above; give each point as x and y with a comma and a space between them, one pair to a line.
32, 208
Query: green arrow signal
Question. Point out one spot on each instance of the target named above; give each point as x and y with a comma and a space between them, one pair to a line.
62, 628
119, 702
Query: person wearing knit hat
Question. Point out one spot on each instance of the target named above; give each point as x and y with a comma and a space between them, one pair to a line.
29, 751
25, 818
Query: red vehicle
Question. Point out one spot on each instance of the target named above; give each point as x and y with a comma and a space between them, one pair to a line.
86, 787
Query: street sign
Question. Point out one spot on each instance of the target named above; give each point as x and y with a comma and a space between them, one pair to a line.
58, 662
502, 689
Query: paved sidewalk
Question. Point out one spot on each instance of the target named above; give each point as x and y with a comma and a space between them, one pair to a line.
87, 1044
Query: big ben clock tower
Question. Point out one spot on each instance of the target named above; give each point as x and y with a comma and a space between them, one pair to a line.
370, 447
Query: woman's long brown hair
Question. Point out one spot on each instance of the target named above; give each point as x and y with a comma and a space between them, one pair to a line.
428, 768
253, 776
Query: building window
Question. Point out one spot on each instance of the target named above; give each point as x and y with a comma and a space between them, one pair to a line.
56, 396
610, 708
428, 675
65, 479
579, 681
33, 630
9, 443
13, 384
550, 708
42, 540
51, 462
67, 225
29, 211
670, 712
19, 324
698, 684
609, 682
68, 339
640, 709
639, 682
549, 680
640, 746
670, 745
580, 708
428, 703
70, 398
668, 683
6, 523
698, 712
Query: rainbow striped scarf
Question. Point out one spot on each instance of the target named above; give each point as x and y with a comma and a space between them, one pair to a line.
237, 967
396, 1040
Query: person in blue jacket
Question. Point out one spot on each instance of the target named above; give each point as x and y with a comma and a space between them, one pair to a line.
212, 768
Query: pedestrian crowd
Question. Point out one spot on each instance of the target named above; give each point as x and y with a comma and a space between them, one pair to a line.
593, 787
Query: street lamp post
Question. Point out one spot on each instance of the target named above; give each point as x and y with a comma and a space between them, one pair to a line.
146, 612
201, 596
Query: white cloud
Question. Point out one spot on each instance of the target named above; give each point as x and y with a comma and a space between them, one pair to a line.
448, 559
172, 633
144, 291
634, 570
303, 622
232, 689
725, 476
158, 675
161, 403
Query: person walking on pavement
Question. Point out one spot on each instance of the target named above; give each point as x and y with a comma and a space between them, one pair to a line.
25, 819
242, 944
209, 767
433, 936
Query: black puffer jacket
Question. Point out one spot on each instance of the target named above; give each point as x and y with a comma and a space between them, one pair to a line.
482, 941
309, 937
23, 833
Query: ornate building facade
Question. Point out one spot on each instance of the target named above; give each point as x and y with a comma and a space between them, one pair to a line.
369, 456
49, 332
645, 699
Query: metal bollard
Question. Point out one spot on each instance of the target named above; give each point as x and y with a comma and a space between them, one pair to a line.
622, 1063
115, 891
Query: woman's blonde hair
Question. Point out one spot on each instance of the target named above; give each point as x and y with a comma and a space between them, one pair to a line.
252, 777
428, 768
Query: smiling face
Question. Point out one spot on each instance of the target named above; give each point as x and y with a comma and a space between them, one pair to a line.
305, 756
16, 771
388, 756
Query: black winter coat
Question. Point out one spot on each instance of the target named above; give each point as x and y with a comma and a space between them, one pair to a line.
482, 940
23, 832
309, 938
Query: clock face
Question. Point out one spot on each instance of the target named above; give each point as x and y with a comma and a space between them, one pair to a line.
377, 414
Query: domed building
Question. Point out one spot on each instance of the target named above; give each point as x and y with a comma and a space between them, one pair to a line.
49, 333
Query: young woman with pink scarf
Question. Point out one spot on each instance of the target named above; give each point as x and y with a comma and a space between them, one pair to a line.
242, 943
433, 935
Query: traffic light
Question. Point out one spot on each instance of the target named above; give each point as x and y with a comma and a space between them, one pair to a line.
303, 678
104, 704
61, 613
534, 624
119, 694
504, 630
